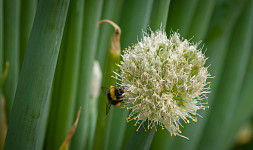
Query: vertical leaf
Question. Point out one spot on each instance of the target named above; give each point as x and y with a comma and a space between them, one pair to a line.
200, 21
11, 50
28, 9
234, 70
1, 60
141, 139
180, 15
1, 38
216, 42
227, 91
103, 121
237, 60
36, 75
244, 108
92, 13
65, 87
159, 14
111, 11
44, 120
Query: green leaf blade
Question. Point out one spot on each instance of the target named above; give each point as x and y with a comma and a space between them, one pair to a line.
159, 14
66, 78
216, 42
141, 139
36, 75
92, 13
11, 50
180, 15
27, 13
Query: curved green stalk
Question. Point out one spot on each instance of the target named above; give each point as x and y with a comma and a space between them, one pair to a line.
27, 13
200, 21
92, 13
103, 120
244, 108
141, 139
159, 14
1, 59
11, 50
235, 70
36, 75
65, 86
217, 41
1, 41
216, 44
111, 11
180, 15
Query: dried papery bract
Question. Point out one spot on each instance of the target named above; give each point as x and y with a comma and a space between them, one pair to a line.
3, 77
115, 46
112, 58
165, 81
71, 132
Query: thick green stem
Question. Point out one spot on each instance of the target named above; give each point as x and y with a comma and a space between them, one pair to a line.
11, 50
92, 13
141, 139
28, 9
66, 78
36, 76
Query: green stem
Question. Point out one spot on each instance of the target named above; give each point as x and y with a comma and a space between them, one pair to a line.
28, 9
141, 139
111, 11
234, 70
217, 41
200, 21
180, 15
1, 61
102, 125
65, 86
11, 50
92, 13
159, 14
36, 75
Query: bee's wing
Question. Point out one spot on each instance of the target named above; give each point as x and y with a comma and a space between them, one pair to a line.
108, 106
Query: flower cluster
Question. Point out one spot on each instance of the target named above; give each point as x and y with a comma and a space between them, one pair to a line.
165, 81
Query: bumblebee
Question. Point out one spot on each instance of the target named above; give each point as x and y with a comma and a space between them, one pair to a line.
115, 97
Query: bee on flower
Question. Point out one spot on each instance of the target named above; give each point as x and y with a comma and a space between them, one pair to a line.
166, 81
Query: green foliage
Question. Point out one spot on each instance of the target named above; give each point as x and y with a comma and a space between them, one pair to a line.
65, 85
11, 49
88, 51
36, 76
141, 139
46, 90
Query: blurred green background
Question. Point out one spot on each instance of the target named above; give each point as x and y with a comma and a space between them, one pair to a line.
59, 59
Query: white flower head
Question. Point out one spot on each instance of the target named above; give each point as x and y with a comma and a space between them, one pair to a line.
164, 80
